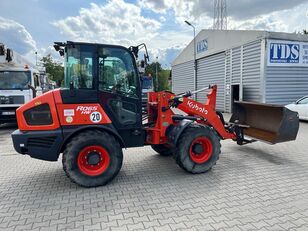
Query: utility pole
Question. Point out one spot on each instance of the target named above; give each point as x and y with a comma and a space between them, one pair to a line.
195, 60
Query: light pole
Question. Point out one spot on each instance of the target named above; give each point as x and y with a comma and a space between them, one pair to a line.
156, 73
36, 58
195, 61
306, 21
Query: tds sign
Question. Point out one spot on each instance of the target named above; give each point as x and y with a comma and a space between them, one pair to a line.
202, 46
284, 53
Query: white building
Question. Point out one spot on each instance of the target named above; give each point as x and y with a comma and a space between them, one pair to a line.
259, 66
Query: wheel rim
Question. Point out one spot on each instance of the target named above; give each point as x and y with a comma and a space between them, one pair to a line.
200, 150
93, 160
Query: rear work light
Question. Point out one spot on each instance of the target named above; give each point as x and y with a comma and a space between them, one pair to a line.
39, 115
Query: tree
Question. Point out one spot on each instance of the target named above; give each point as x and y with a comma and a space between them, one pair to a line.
151, 68
163, 80
163, 76
54, 69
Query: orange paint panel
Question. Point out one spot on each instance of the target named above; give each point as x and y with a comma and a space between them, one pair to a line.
161, 118
81, 114
46, 98
57, 96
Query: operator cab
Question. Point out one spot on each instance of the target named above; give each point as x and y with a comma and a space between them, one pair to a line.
108, 75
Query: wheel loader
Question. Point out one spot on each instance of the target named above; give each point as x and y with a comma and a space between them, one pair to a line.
100, 112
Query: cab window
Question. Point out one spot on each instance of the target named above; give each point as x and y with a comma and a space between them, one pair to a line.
117, 72
79, 67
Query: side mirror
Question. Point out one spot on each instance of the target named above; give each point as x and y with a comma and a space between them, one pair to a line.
2, 49
33, 90
61, 52
9, 55
57, 47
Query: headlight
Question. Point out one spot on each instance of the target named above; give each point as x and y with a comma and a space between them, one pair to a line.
39, 115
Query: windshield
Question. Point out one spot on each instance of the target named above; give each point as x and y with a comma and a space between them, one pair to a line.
14, 79
147, 83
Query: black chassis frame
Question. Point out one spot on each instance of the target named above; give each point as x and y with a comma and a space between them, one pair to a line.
47, 145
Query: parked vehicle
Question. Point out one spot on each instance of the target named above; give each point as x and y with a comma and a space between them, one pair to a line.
20, 82
99, 113
300, 106
147, 86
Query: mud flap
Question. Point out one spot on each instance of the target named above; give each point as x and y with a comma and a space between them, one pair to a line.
266, 122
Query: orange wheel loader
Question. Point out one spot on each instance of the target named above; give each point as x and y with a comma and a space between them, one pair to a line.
100, 112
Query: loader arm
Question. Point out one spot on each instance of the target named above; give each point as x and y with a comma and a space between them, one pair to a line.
207, 116
269, 123
206, 112
163, 118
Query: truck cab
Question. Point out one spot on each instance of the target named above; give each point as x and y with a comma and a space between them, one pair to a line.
19, 83
17, 86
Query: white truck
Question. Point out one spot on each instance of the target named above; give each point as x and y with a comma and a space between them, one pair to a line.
19, 83
147, 86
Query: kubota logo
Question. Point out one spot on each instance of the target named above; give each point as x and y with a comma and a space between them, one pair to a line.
86, 109
196, 107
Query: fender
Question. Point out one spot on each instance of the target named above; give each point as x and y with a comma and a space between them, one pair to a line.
69, 132
174, 131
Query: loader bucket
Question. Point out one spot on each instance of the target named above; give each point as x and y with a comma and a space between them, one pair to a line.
266, 122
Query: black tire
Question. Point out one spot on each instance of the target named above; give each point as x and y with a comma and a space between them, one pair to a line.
162, 149
183, 154
73, 167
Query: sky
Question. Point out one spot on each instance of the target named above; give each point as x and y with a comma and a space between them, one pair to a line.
33, 25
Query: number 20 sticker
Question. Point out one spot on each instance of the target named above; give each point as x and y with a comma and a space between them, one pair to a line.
95, 117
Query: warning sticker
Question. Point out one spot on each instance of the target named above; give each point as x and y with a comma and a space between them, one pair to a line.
69, 112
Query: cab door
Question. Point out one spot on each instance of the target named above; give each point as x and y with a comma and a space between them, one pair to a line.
119, 92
